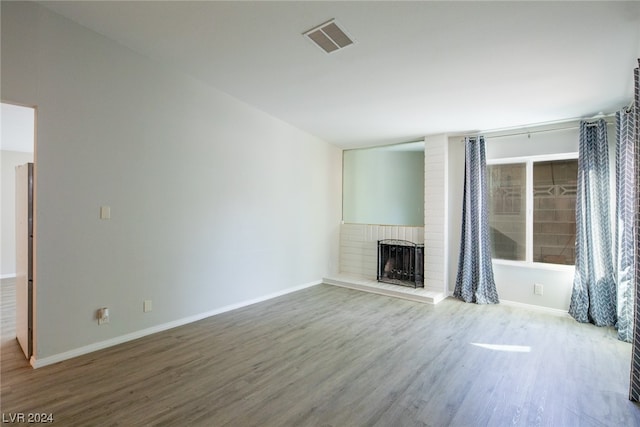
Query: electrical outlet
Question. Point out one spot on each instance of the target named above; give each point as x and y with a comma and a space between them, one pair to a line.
147, 306
103, 315
537, 289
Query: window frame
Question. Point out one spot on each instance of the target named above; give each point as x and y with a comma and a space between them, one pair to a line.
528, 161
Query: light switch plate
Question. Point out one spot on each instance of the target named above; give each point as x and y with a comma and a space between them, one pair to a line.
105, 212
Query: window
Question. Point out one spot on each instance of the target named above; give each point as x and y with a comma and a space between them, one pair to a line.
507, 212
532, 209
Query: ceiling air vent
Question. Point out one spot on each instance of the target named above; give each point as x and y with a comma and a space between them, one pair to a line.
329, 36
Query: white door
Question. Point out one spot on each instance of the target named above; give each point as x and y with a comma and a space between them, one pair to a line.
24, 302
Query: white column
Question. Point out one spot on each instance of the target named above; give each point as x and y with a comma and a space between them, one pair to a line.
436, 222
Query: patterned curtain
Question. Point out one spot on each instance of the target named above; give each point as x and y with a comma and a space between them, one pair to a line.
634, 386
593, 298
625, 209
474, 282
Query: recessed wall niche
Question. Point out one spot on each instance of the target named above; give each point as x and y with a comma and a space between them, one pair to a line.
384, 185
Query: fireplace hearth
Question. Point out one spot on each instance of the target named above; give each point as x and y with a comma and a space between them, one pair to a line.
401, 262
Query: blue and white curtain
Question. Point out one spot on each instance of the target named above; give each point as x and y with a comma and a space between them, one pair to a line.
593, 298
626, 188
634, 386
474, 282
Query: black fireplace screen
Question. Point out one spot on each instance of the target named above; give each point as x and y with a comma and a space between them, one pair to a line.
401, 262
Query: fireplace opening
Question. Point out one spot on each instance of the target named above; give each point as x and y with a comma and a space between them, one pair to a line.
401, 262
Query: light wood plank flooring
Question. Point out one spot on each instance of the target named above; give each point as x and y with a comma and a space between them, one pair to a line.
330, 356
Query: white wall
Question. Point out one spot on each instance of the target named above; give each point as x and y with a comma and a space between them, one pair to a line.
516, 282
212, 202
10, 159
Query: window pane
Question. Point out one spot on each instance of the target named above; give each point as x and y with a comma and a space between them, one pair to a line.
507, 212
554, 211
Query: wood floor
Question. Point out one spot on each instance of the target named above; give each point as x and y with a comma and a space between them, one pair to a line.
330, 356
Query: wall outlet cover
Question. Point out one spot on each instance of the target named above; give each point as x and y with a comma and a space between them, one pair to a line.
103, 316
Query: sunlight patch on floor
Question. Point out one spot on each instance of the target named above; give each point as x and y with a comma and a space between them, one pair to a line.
503, 347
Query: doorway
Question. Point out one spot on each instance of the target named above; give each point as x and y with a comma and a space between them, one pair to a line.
17, 147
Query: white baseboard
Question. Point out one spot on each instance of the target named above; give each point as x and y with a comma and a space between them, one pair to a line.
553, 311
8, 276
49, 360
540, 309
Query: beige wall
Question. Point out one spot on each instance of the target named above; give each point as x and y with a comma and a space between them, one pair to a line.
214, 204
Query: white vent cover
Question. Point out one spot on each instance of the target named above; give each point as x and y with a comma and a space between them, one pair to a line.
329, 36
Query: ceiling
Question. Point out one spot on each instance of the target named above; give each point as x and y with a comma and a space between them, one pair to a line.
415, 69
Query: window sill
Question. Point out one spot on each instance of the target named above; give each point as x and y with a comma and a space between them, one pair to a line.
534, 265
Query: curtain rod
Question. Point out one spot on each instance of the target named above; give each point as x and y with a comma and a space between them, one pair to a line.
532, 132
569, 125
631, 106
